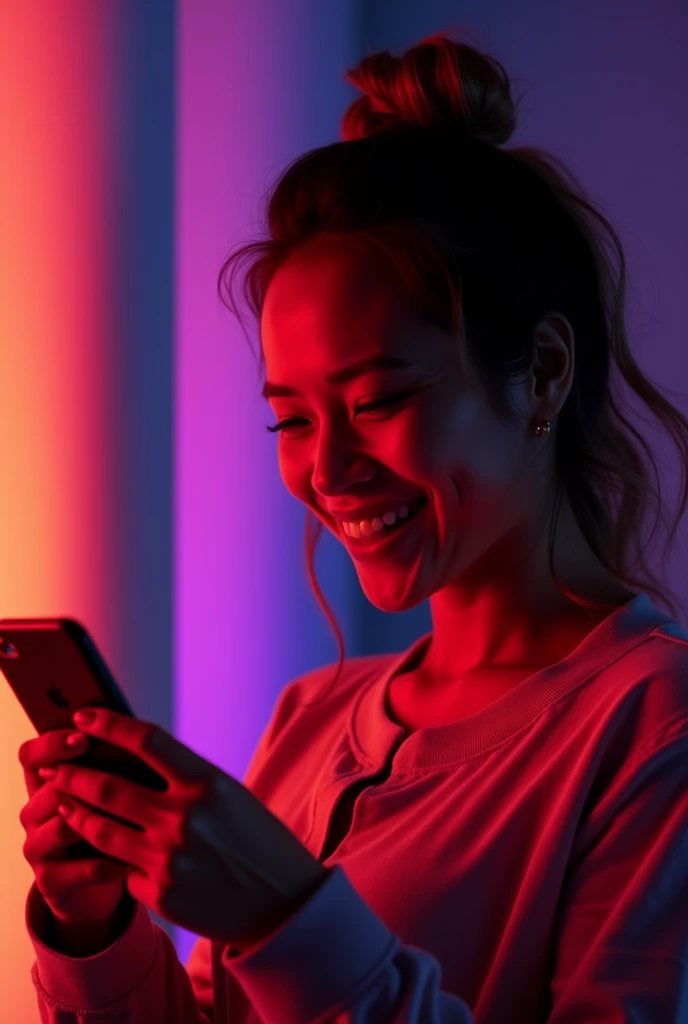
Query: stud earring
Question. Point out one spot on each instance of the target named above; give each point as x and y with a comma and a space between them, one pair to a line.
543, 428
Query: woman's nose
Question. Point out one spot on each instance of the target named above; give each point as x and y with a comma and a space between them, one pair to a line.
335, 461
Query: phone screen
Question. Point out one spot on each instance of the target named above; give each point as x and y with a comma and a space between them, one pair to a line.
54, 668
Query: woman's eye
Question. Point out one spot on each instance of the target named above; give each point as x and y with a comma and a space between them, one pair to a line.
378, 404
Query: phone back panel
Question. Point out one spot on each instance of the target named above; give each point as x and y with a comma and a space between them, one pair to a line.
54, 669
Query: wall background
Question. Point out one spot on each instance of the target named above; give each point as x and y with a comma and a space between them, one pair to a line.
140, 491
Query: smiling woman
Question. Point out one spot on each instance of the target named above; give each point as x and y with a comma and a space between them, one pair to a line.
478, 551
458, 323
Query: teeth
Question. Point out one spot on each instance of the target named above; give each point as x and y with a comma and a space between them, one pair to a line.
366, 527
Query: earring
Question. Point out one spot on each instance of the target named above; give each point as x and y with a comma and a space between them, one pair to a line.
543, 428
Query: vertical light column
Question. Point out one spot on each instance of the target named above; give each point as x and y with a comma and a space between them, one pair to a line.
257, 85
57, 507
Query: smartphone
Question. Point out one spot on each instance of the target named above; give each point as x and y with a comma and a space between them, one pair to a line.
55, 669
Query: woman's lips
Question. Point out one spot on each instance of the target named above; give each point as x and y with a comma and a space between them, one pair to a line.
413, 506
380, 543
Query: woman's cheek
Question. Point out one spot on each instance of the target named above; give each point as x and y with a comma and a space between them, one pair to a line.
421, 439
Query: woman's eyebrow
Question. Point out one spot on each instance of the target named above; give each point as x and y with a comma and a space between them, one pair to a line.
347, 373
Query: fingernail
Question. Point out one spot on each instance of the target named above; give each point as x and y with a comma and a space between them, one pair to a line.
47, 773
75, 739
83, 717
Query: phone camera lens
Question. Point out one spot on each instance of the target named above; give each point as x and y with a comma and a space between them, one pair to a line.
7, 649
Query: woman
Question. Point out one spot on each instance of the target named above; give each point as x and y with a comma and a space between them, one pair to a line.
494, 831
503, 806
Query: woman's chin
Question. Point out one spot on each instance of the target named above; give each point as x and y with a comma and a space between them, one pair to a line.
386, 598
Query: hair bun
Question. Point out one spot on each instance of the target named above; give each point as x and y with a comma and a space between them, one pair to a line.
437, 81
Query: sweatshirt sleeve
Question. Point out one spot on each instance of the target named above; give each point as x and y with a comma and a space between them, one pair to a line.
620, 953
622, 934
138, 978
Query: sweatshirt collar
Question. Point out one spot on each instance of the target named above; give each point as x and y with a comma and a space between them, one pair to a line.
374, 736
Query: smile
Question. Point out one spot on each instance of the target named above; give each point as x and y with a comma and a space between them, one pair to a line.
363, 548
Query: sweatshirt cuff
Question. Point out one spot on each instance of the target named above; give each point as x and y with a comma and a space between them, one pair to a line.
317, 959
90, 982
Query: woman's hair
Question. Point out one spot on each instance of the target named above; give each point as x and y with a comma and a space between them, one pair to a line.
487, 241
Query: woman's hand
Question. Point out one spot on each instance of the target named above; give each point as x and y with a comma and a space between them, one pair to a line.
210, 858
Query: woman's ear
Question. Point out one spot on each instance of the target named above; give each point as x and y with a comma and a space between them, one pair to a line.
552, 372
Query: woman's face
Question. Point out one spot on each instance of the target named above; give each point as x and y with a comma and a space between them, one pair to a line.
441, 441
